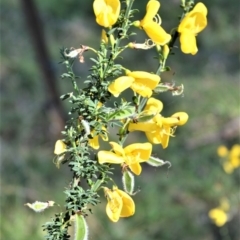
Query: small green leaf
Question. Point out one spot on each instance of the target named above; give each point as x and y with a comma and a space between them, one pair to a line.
80, 228
122, 113
128, 182
65, 75
143, 117
65, 96
157, 162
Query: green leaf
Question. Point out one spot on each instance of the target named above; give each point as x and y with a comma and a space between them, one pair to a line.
143, 117
122, 113
65, 96
80, 228
66, 75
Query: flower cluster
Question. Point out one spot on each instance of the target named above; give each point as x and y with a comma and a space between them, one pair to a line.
159, 129
219, 215
230, 158
147, 115
92, 115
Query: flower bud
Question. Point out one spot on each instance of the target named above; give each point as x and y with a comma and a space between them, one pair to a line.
165, 51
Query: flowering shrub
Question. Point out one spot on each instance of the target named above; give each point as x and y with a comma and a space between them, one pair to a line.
92, 116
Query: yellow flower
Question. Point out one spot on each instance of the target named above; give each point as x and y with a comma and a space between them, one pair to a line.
60, 147
159, 129
120, 204
234, 156
193, 23
94, 142
131, 155
218, 216
231, 157
151, 27
222, 151
106, 12
140, 82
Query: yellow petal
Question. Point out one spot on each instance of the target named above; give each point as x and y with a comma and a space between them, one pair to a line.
114, 205
141, 150
106, 12
128, 208
165, 140
166, 135
218, 216
98, 5
235, 161
171, 121
188, 43
154, 137
148, 79
120, 84
142, 126
181, 116
222, 151
94, 143
60, 147
156, 33
195, 21
109, 157
200, 7
144, 82
151, 10
117, 148
154, 106
136, 168
235, 151
141, 89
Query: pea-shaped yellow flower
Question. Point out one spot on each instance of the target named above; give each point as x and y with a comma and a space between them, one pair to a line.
140, 82
193, 23
151, 24
94, 142
165, 127
231, 157
106, 12
60, 147
130, 156
159, 129
234, 156
218, 216
120, 204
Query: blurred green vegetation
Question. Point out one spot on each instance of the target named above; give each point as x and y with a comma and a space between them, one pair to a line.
172, 204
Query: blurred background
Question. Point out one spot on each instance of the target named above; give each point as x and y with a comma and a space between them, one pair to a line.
172, 204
